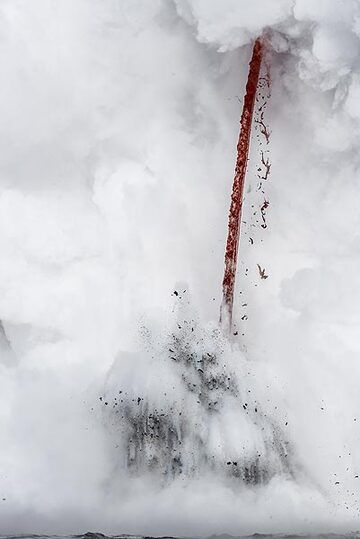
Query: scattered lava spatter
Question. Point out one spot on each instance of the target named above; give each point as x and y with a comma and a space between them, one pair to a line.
232, 244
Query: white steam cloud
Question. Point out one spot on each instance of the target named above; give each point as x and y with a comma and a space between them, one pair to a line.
119, 121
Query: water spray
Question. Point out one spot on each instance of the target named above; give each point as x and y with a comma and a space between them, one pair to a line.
176, 424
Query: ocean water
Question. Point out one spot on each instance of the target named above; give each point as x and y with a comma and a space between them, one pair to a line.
97, 535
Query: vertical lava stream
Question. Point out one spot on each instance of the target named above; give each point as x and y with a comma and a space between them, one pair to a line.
233, 238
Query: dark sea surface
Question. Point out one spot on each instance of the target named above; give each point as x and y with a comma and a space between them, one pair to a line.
97, 535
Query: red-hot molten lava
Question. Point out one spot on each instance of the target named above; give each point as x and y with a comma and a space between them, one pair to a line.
232, 244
